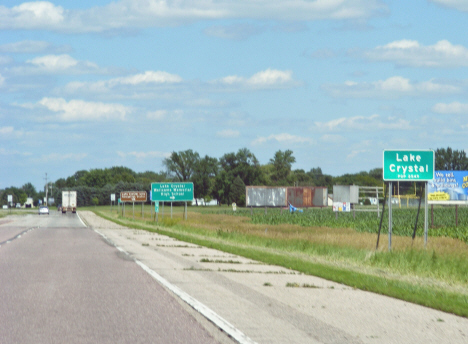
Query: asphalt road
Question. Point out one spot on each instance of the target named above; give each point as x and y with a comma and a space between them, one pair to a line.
61, 282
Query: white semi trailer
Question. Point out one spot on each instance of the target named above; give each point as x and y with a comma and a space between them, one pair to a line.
68, 201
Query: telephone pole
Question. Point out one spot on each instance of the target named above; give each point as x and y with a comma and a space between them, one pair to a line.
47, 189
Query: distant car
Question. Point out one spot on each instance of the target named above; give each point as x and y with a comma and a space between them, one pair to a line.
43, 210
5, 206
18, 205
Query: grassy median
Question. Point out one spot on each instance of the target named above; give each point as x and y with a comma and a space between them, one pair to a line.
436, 276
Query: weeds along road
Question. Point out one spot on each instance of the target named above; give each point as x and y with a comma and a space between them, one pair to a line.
60, 282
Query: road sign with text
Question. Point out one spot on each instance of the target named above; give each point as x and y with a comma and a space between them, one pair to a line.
133, 196
408, 165
172, 192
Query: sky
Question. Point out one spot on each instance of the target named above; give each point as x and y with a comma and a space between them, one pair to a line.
96, 84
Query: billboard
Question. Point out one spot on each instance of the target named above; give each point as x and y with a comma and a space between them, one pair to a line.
302, 197
259, 196
346, 193
308, 196
448, 187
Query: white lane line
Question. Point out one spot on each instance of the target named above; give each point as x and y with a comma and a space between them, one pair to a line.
84, 224
194, 303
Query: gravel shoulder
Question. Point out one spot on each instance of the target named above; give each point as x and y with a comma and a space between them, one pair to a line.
271, 304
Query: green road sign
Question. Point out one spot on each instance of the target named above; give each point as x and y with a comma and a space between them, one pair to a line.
408, 165
171, 192
156, 207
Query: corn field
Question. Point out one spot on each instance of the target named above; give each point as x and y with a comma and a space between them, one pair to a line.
441, 220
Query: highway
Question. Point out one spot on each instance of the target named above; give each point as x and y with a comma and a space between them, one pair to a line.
83, 279
61, 282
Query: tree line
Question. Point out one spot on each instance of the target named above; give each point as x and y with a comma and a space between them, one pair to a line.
223, 179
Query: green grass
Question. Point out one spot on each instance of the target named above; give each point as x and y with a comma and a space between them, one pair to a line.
435, 277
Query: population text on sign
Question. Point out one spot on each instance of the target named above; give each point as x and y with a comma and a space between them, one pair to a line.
133, 196
409, 165
171, 192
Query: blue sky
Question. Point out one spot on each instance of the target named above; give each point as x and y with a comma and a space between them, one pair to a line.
96, 84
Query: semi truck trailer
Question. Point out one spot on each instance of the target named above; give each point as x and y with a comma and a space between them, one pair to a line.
68, 201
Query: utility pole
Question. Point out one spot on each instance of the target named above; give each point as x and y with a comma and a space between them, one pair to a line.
47, 189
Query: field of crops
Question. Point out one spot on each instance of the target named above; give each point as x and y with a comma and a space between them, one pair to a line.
403, 220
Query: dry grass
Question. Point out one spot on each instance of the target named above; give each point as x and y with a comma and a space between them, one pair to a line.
342, 237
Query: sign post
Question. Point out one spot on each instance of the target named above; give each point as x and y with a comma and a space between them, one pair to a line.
156, 210
407, 165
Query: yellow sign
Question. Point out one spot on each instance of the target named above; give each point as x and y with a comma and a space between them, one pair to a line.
438, 196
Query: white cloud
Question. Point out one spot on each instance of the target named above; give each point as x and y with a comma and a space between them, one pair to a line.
154, 77
143, 155
413, 54
373, 122
392, 87
267, 79
9, 132
452, 108
284, 137
4, 151
160, 115
29, 47
30, 15
79, 110
2, 80
461, 5
146, 79
61, 63
157, 115
228, 134
153, 13
6, 130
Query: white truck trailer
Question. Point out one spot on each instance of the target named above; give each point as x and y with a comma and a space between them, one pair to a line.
68, 201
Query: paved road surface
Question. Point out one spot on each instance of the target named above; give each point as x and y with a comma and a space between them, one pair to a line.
69, 285
60, 282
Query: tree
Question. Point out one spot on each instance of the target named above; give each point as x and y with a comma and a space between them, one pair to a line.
302, 177
80, 177
148, 177
60, 183
242, 164
245, 165
120, 173
182, 164
282, 162
203, 177
96, 178
222, 187
450, 160
29, 189
376, 173
238, 192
